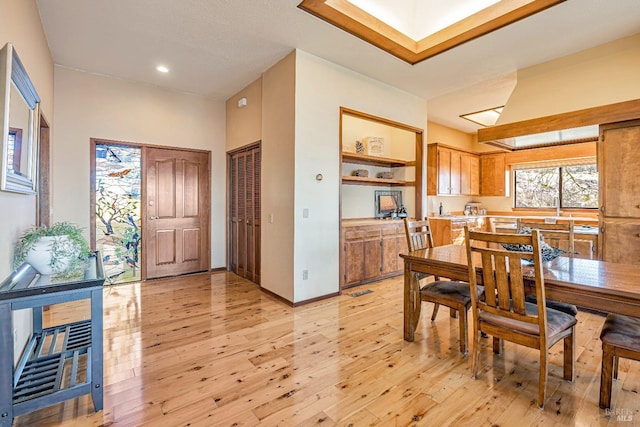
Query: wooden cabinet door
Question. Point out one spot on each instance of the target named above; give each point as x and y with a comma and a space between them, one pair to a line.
353, 257
492, 175
621, 240
372, 254
177, 205
455, 172
620, 171
444, 171
469, 175
389, 250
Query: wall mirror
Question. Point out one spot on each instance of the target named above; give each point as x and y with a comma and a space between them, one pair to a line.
19, 120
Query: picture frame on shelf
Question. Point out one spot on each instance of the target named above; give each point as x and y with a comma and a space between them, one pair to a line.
374, 145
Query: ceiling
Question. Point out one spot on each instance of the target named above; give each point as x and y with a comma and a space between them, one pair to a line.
214, 48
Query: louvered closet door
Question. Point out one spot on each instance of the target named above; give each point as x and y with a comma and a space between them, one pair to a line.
244, 227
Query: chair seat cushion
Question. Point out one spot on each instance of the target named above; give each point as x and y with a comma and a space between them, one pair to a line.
445, 291
621, 331
556, 305
557, 321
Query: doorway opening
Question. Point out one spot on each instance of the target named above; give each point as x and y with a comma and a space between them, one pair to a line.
117, 229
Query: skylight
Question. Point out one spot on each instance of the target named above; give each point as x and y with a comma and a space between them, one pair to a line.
421, 18
414, 30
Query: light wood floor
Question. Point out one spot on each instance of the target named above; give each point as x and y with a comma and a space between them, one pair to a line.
213, 350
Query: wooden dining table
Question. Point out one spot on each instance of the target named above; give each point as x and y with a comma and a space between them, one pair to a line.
603, 286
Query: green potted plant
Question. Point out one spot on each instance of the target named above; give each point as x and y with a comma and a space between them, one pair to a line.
59, 249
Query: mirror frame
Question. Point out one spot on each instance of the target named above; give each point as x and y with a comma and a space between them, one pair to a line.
12, 71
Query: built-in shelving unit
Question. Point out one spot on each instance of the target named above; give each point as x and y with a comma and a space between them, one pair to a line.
363, 159
361, 180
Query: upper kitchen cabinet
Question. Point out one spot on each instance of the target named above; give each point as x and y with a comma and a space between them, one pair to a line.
493, 175
618, 159
451, 171
377, 152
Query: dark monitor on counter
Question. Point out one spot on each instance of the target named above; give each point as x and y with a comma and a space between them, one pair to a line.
387, 202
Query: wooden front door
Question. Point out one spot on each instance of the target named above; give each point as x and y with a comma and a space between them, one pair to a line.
244, 213
176, 212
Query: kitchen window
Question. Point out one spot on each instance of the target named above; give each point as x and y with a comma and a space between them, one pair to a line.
569, 186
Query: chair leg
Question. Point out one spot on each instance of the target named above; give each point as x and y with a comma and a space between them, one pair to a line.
453, 313
616, 359
475, 352
436, 306
498, 345
606, 376
542, 384
569, 355
464, 333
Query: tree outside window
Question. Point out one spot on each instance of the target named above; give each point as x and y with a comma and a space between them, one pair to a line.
573, 186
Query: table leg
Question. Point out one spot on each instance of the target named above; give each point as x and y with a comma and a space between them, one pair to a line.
36, 313
411, 296
96, 350
6, 366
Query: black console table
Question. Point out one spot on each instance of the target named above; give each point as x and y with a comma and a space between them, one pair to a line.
60, 362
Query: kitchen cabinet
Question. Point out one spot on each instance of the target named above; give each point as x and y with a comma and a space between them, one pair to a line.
493, 176
450, 230
451, 171
470, 174
619, 192
371, 250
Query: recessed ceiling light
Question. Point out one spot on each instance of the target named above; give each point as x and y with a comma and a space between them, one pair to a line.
162, 69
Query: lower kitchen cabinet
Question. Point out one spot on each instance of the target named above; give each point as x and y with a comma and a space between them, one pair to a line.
370, 250
450, 230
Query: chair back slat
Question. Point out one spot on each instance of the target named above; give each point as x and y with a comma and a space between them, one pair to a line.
502, 281
488, 280
516, 285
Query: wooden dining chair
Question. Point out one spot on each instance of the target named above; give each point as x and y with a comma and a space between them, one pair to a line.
620, 337
504, 313
452, 294
557, 235
560, 236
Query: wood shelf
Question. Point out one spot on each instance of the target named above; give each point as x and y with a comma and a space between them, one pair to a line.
361, 180
363, 159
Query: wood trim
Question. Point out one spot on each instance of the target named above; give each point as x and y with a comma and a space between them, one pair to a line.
43, 200
621, 111
462, 150
586, 150
146, 145
388, 122
359, 23
316, 299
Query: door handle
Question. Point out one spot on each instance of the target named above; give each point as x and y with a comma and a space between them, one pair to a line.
153, 217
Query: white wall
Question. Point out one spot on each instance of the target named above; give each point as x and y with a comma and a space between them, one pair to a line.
277, 186
89, 105
321, 89
20, 25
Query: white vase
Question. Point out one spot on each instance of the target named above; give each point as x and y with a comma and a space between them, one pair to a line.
39, 256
